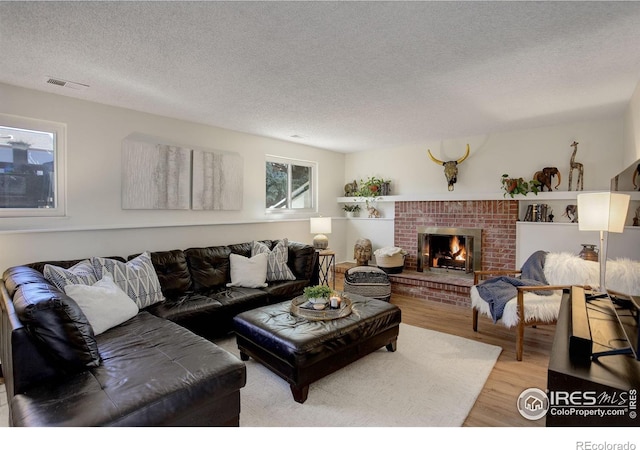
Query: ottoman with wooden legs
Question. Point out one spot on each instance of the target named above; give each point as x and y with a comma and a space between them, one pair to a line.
302, 351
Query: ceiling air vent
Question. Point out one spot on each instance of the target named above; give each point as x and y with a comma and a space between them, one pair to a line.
67, 84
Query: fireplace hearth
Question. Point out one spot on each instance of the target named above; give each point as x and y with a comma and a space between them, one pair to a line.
449, 250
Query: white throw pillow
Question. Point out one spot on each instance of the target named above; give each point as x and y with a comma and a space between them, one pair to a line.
248, 272
137, 278
104, 303
277, 268
81, 273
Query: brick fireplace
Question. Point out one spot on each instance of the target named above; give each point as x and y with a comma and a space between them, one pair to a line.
496, 218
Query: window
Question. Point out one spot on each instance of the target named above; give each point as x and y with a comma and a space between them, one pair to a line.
31, 167
289, 184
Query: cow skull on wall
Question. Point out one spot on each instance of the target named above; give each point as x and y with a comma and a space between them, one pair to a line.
450, 168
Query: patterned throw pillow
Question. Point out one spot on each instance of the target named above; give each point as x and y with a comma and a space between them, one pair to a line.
137, 278
81, 273
277, 269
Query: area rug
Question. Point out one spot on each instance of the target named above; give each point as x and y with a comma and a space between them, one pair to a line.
432, 380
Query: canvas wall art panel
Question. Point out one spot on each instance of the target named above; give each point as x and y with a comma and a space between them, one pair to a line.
217, 180
155, 176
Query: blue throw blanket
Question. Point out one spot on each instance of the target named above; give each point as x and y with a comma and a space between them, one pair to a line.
499, 290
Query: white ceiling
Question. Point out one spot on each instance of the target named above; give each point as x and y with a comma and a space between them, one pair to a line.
345, 76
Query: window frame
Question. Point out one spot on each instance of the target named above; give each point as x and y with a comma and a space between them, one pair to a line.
313, 186
59, 157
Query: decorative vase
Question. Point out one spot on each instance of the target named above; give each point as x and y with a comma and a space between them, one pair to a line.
588, 252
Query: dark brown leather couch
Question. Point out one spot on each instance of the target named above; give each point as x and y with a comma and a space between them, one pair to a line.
194, 283
155, 369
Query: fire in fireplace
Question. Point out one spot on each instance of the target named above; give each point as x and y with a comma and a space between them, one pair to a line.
449, 249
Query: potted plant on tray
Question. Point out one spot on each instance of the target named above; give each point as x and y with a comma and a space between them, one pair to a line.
318, 295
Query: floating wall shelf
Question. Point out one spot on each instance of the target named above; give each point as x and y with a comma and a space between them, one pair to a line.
455, 196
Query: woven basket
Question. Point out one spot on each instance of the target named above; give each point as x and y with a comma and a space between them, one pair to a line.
391, 264
368, 281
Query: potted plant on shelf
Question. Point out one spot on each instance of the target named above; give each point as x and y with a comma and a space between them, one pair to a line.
374, 187
352, 210
513, 186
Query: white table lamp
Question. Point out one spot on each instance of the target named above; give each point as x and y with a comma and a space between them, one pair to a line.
320, 226
602, 211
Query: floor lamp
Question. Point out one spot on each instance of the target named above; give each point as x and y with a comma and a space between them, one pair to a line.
603, 212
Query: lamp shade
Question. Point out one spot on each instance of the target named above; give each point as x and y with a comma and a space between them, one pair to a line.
320, 225
602, 211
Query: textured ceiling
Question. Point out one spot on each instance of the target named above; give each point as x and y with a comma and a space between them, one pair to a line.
346, 76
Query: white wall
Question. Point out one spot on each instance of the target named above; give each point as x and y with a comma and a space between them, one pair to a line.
632, 129
378, 231
518, 153
94, 136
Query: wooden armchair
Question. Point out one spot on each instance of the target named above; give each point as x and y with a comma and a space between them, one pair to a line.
561, 270
524, 317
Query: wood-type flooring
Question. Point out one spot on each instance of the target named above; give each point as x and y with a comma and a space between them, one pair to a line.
496, 405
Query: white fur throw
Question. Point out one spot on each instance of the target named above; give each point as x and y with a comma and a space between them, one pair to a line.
623, 275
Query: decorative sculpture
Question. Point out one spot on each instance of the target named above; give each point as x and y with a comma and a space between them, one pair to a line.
450, 168
576, 165
362, 251
635, 175
373, 212
545, 176
350, 189
571, 213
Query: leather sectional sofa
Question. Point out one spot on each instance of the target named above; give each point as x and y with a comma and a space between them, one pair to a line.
157, 368
194, 284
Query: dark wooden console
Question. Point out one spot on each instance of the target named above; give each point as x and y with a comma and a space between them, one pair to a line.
583, 392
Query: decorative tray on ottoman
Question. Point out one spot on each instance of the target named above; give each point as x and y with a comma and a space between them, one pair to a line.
301, 307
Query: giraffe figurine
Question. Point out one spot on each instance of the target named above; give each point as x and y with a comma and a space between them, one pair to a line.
576, 165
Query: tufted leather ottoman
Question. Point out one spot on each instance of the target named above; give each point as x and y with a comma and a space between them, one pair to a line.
303, 351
